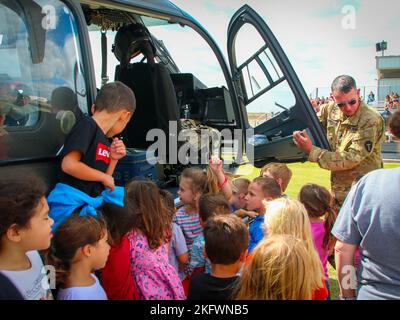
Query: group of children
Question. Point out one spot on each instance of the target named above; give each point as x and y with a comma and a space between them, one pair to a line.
231, 239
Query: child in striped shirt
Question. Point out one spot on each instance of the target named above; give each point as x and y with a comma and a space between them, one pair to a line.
192, 185
195, 182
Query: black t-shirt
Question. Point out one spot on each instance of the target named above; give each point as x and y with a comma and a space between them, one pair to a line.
87, 138
204, 286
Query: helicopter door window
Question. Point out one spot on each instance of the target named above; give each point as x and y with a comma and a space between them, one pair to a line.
267, 92
42, 82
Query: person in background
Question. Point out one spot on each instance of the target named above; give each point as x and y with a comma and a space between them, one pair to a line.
315, 105
396, 102
371, 97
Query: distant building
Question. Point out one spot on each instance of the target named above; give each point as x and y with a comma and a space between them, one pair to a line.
388, 71
256, 118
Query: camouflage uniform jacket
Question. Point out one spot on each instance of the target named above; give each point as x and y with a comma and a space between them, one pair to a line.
356, 146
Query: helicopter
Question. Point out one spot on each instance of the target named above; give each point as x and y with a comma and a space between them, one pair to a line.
56, 54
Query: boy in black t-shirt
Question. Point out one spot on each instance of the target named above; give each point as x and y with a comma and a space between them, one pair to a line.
88, 156
226, 241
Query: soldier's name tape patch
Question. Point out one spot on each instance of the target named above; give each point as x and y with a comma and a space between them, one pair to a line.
352, 128
368, 145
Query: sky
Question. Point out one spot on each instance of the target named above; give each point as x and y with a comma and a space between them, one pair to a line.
322, 39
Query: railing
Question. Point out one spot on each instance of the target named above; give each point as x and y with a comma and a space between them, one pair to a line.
364, 91
379, 92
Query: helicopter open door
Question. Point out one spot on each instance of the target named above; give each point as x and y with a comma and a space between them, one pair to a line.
270, 90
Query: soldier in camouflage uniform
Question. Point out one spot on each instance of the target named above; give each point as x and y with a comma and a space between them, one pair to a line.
355, 133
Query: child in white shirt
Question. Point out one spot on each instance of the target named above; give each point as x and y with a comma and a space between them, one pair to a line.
25, 228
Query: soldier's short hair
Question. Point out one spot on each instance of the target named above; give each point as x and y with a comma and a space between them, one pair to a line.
394, 124
343, 83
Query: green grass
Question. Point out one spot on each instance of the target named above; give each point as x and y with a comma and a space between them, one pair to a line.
308, 173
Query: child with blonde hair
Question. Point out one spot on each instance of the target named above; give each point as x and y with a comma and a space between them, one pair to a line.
281, 269
318, 202
287, 216
155, 278
79, 247
192, 185
218, 181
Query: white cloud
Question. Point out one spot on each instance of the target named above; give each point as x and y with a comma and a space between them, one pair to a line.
312, 35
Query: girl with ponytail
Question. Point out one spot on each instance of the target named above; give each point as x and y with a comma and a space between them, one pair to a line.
318, 202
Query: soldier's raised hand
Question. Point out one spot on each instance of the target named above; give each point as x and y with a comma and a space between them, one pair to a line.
302, 140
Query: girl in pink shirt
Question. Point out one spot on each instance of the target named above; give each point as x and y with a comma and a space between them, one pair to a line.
317, 200
154, 277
